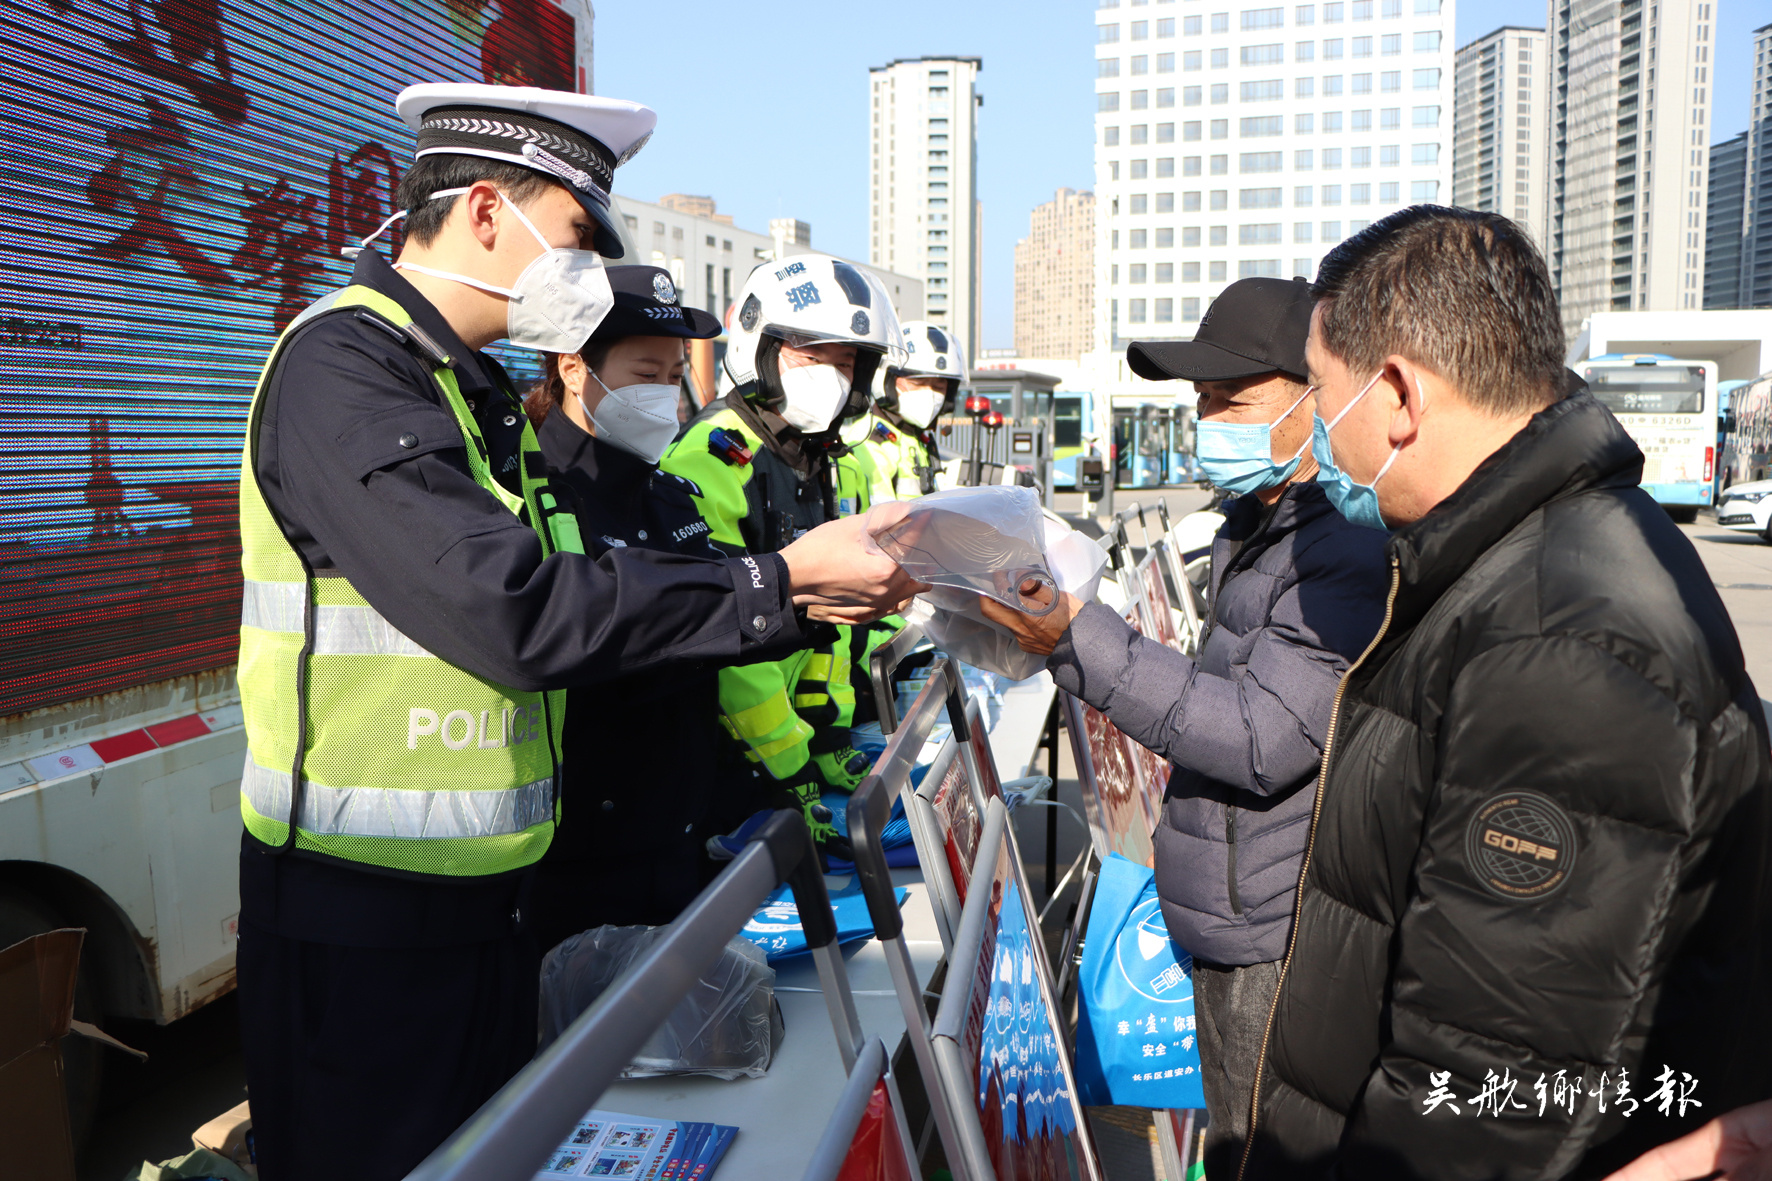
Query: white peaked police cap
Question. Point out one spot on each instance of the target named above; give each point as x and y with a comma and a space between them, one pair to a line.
577, 139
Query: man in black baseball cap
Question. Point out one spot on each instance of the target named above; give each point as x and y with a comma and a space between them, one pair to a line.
1256, 326
1298, 591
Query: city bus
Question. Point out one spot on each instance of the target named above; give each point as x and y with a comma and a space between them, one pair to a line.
1668, 407
1073, 424
1750, 439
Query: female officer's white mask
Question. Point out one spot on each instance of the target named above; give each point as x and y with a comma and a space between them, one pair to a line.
640, 419
556, 303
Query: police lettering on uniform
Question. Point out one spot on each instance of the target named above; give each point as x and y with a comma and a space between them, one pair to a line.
417, 600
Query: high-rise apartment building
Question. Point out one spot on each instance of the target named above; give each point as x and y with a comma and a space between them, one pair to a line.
1498, 127
1629, 147
1055, 279
1756, 244
1250, 142
923, 183
1724, 222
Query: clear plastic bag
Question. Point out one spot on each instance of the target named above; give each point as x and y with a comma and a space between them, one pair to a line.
727, 1027
987, 541
953, 620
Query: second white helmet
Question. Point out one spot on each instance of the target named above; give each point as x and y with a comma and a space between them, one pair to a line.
929, 351
803, 300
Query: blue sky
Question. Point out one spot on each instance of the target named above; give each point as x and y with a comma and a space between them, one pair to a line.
764, 106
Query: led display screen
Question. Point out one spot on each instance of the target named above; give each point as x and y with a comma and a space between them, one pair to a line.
180, 176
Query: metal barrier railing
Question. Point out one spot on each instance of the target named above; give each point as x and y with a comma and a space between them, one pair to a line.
885, 659
509, 1138
868, 812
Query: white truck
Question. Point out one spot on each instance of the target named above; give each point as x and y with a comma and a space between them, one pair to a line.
180, 179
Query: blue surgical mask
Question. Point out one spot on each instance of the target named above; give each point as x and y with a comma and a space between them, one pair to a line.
1355, 501
1239, 456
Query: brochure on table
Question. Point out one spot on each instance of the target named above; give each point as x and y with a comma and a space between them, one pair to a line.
633, 1148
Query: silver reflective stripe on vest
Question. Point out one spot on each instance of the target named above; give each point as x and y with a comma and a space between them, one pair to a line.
359, 631
398, 812
273, 606
338, 631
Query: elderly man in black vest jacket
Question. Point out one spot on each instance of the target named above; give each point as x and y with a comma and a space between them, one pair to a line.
1533, 923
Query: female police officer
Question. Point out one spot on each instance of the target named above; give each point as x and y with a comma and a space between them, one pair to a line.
640, 762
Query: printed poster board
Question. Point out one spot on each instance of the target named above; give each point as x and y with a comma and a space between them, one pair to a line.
1000, 1039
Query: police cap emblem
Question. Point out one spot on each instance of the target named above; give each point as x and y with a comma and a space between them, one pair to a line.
858, 323
662, 288
941, 362
1521, 845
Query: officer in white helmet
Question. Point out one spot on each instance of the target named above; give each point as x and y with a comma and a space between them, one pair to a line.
914, 391
806, 336
416, 602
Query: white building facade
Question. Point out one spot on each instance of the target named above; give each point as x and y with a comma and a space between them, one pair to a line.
923, 184
1250, 142
1500, 137
710, 258
1628, 154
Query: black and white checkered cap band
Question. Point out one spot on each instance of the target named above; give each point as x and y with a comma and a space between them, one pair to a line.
504, 135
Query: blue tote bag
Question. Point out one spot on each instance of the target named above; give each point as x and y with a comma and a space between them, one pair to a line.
1136, 1043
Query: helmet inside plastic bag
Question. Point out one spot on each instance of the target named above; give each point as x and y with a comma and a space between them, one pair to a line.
987, 541
728, 1026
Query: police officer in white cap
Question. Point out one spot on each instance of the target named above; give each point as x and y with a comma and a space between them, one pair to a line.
416, 601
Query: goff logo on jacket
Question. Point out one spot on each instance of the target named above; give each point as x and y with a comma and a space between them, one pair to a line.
1521, 845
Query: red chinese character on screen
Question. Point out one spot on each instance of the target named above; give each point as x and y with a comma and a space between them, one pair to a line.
147, 173
283, 246
190, 37
361, 196
530, 44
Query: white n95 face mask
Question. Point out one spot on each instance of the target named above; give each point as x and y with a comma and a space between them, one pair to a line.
640, 419
919, 407
812, 397
558, 300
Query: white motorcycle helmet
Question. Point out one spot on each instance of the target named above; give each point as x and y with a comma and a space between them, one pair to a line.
802, 300
929, 351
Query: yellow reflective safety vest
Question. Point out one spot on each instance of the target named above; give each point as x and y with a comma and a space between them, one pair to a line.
775, 709
382, 753
902, 468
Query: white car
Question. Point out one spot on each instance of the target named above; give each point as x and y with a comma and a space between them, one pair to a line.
1747, 508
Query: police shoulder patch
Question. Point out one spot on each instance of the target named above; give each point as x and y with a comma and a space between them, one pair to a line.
1521, 845
690, 485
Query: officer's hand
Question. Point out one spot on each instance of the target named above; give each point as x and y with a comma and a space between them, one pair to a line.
802, 792
837, 566
854, 616
842, 769
1038, 634
1736, 1145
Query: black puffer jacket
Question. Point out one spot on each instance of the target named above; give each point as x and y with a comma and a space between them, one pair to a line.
1543, 842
